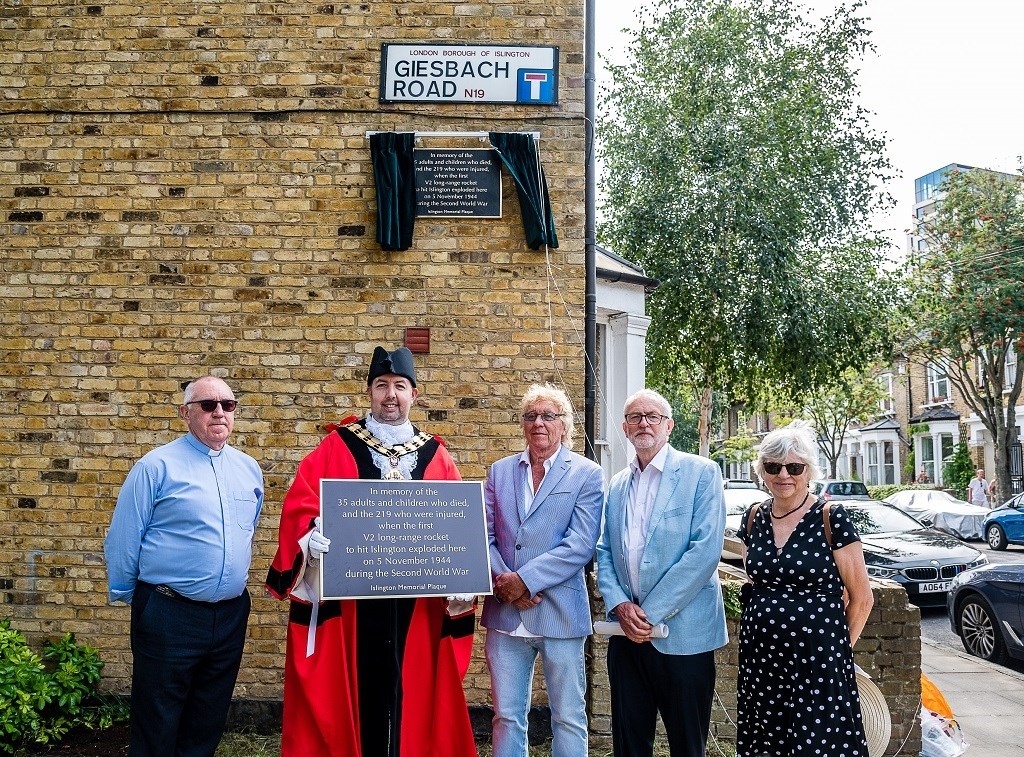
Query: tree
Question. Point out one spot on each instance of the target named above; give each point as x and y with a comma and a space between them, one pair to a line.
852, 398
741, 447
966, 306
740, 172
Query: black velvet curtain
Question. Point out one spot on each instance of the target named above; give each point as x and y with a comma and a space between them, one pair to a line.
518, 153
391, 155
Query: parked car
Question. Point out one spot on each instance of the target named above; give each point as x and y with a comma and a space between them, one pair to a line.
1005, 524
740, 483
943, 511
922, 560
833, 489
984, 608
736, 503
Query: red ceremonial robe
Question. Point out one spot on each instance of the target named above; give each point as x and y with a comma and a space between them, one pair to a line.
385, 676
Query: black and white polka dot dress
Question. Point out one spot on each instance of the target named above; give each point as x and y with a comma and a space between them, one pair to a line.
797, 692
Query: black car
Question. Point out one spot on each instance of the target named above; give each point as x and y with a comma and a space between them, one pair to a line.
984, 607
897, 547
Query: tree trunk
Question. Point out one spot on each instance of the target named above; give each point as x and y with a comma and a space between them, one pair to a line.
1002, 452
704, 422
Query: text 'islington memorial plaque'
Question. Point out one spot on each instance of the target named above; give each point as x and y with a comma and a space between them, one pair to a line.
457, 183
403, 539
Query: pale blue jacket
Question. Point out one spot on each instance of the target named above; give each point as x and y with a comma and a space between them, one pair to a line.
679, 570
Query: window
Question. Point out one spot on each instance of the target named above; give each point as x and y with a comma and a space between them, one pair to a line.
885, 403
872, 450
928, 457
946, 447
938, 383
888, 463
1010, 368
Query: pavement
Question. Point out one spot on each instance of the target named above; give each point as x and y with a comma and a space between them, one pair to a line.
987, 700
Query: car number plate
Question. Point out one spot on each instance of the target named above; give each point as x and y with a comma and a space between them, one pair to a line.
937, 586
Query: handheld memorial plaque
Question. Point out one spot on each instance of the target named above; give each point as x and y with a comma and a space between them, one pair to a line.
403, 539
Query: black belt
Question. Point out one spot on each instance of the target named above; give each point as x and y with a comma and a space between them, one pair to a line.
167, 591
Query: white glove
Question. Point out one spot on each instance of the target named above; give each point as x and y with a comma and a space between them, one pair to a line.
461, 597
318, 543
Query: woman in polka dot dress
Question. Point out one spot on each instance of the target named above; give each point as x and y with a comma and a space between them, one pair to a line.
797, 692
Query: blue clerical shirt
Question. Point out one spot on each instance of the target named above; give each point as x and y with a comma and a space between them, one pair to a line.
185, 518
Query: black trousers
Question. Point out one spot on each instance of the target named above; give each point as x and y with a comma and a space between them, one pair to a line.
185, 658
645, 682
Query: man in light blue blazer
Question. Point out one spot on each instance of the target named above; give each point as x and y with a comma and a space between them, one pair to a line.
657, 567
543, 517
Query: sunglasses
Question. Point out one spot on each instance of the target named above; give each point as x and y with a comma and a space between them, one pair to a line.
209, 406
793, 469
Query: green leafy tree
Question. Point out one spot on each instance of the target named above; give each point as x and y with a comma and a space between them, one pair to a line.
740, 447
740, 172
966, 306
852, 398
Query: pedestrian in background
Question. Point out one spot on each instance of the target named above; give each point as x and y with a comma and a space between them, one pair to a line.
979, 489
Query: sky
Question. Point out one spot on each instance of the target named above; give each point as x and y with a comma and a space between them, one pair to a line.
944, 84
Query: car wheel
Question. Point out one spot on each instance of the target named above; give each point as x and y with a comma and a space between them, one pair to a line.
995, 537
979, 630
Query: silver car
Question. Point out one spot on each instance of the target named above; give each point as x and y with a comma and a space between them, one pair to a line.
943, 511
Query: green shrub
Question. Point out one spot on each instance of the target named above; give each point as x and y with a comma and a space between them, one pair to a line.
882, 491
44, 697
958, 472
731, 597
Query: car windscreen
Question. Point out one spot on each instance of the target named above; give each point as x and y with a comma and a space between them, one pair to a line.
848, 489
879, 519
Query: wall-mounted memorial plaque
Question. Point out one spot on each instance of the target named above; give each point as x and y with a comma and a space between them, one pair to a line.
403, 539
462, 183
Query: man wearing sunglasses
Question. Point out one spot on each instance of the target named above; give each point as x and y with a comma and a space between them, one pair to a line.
178, 551
657, 569
370, 677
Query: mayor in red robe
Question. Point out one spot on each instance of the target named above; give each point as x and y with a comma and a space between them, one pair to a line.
370, 677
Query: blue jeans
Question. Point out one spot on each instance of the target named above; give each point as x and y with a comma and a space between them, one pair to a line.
510, 660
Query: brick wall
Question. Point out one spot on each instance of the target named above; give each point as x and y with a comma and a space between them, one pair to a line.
185, 188
889, 650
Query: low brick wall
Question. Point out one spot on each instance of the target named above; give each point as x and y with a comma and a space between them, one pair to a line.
889, 650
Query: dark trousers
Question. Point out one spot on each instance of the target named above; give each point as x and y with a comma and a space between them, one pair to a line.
645, 682
185, 658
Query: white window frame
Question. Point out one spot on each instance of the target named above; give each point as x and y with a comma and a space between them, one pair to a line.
872, 462
938, 383
886, 404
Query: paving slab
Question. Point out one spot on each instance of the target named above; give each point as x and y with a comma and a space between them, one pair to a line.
987, 700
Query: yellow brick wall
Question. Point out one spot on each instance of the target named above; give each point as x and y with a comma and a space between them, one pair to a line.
185, 188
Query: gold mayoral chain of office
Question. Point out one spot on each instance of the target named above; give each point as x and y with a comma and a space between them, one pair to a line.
391, 452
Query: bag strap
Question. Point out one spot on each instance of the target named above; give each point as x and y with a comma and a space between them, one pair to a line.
751, 514
827, 523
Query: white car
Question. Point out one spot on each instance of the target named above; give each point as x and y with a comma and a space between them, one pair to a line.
736, 503
942, 511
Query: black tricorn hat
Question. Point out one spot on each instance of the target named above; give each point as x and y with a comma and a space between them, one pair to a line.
397, 363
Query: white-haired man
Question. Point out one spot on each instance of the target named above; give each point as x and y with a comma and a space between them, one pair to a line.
657, 567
